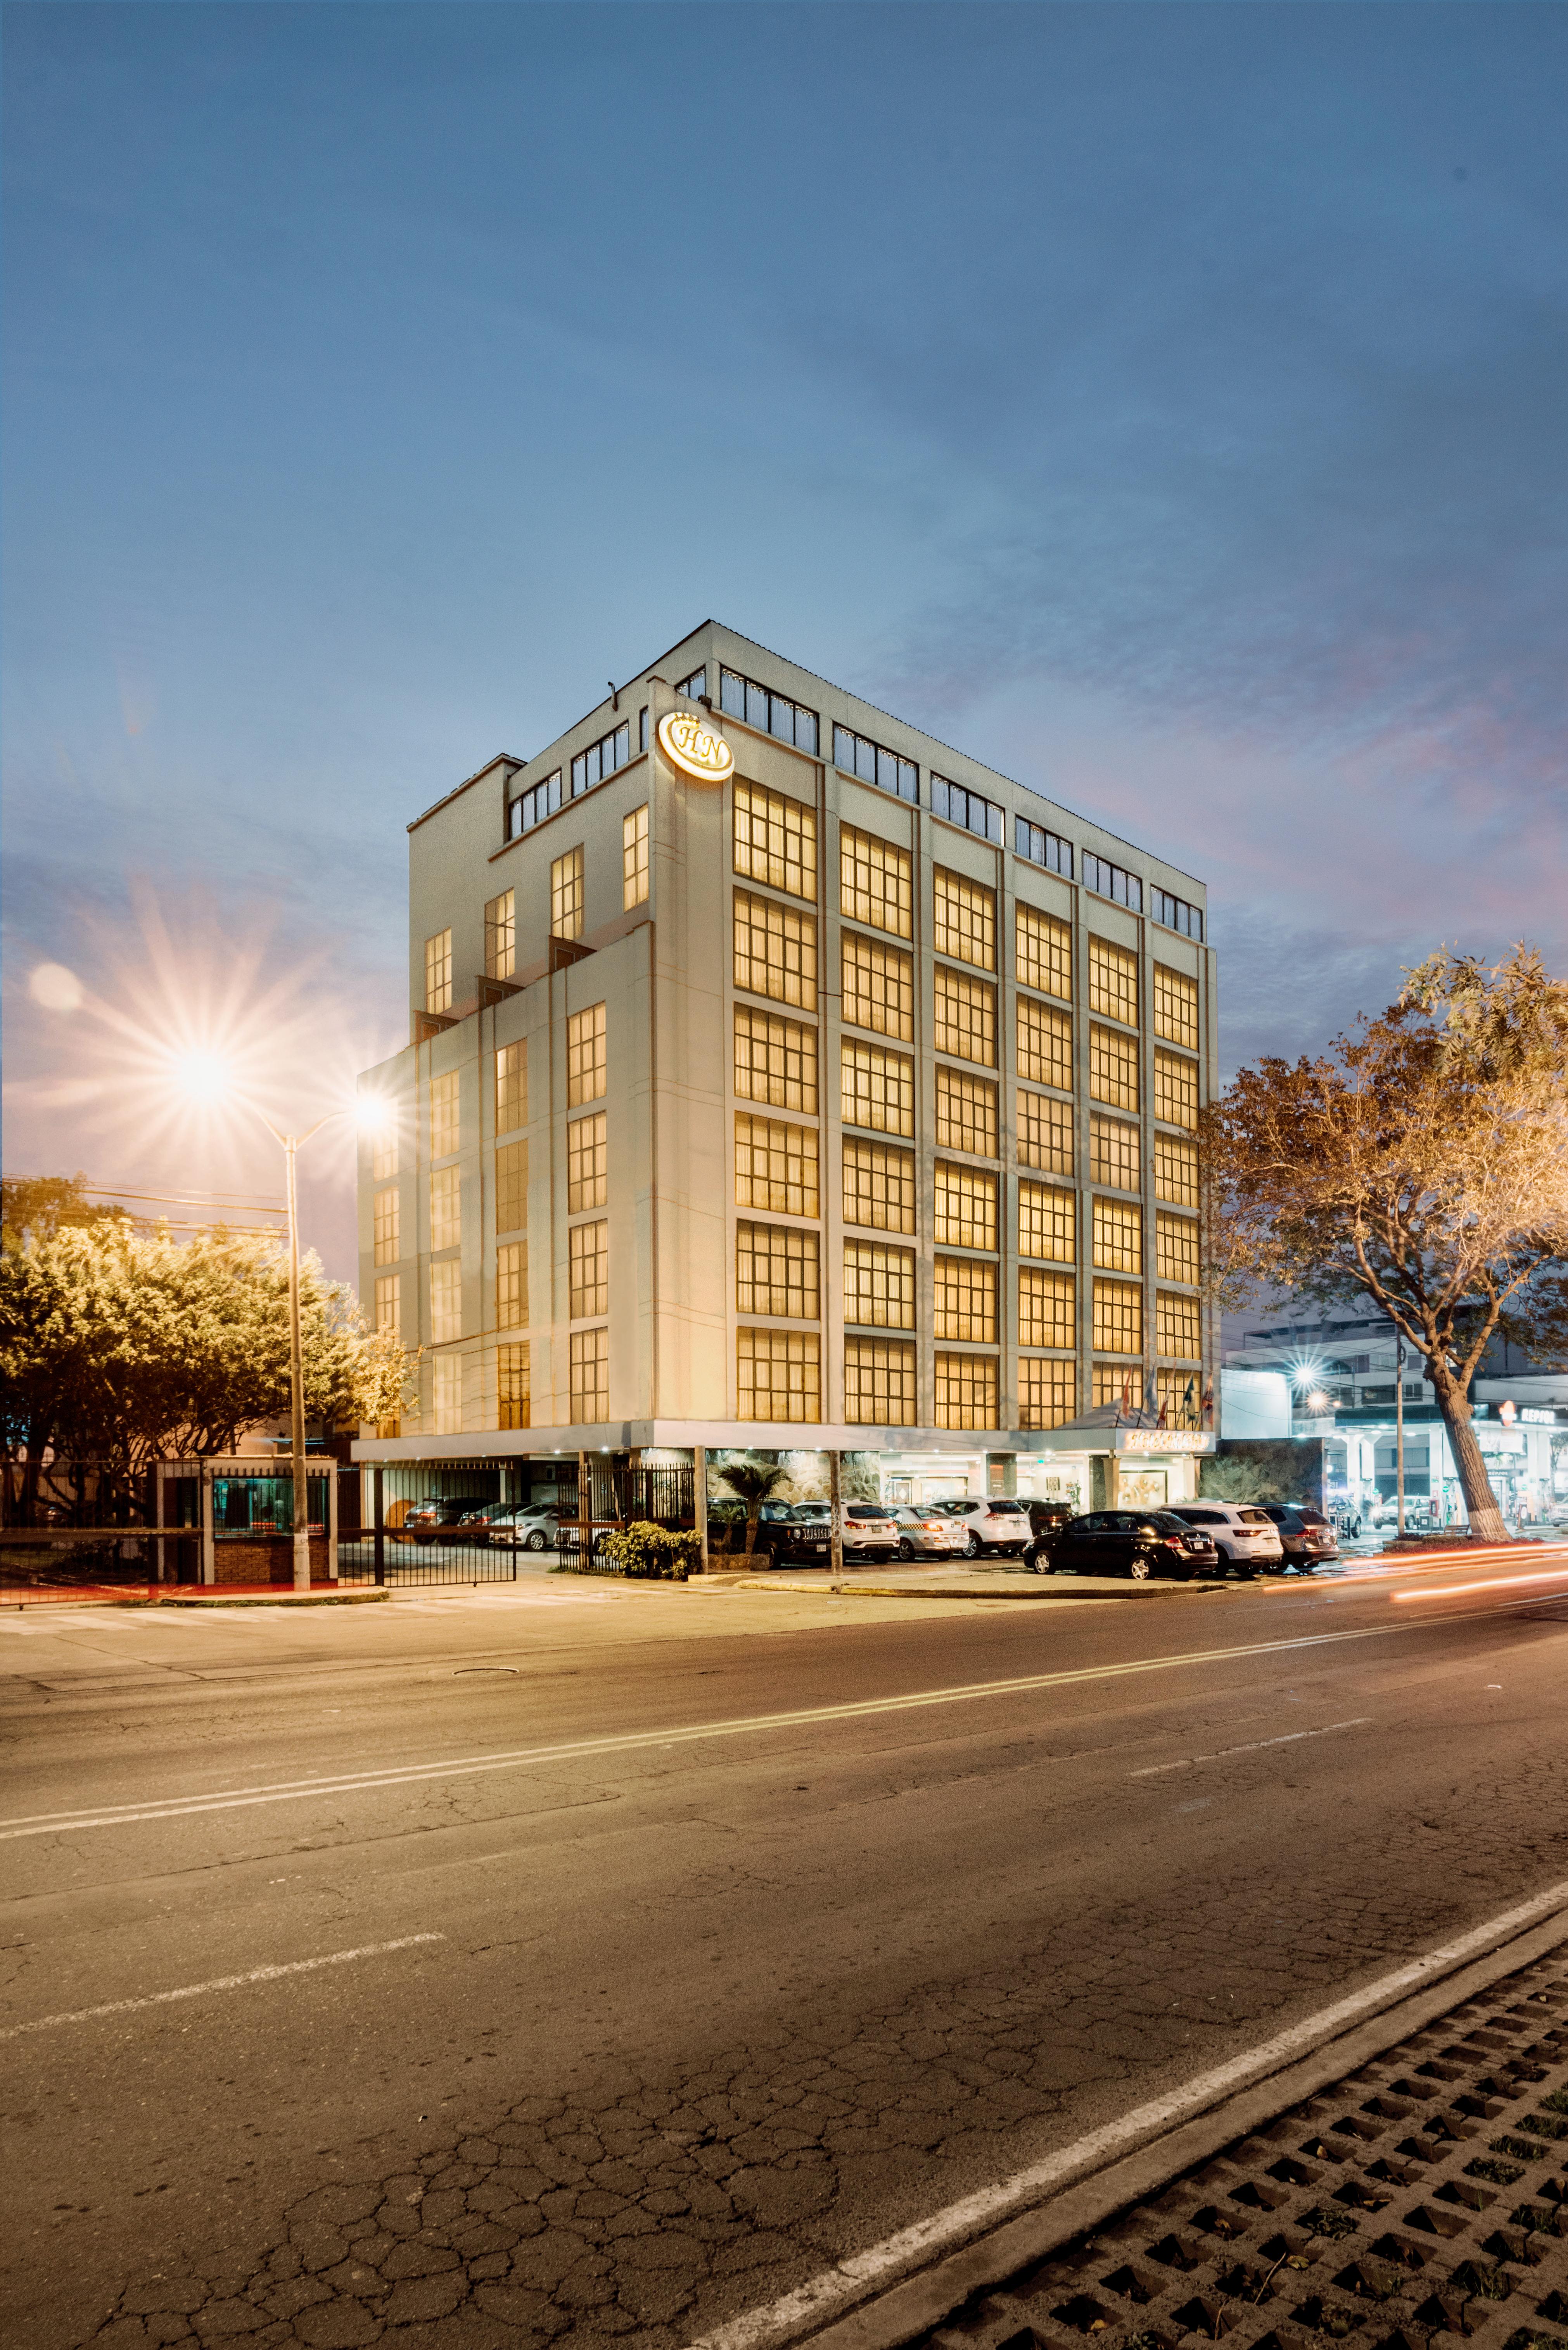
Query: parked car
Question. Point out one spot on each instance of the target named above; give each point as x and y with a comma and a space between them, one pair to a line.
1245, 1537
926, 1533
997, 1526
870, 1530
1046, 1520
1134, 1543
507, 1524
1305, 1533
423, 1520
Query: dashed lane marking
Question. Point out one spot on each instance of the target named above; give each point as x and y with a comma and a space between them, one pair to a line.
1253, 1746
218, 1982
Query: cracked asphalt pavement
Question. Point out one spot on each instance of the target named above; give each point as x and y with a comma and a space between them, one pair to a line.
706, 1997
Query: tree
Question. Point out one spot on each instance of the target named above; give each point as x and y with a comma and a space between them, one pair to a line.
40, 1205
753, 1483
1422, 1163
121, 1347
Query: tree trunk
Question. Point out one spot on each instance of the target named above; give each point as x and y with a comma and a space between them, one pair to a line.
1480, 1501
752, 1518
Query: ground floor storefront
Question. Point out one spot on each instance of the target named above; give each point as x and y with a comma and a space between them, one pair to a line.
1526, 1449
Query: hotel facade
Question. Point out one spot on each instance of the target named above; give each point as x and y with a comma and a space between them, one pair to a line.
780, 1078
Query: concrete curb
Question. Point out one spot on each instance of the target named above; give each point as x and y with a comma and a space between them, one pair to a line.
1082, 1588
918, 2303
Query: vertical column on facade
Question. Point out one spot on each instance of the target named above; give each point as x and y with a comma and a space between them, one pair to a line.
1010, 1382
830, 1105
1083, 1271
922, 926
1145, 1149
1209, 1373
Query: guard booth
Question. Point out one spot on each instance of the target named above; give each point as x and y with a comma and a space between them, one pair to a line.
235, 1517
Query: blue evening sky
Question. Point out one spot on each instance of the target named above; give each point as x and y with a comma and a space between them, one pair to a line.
1166, 403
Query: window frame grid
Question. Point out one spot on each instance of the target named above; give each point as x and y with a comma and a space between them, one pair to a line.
790, 975
964, 1305
1048, 1213
979, 1136
438, 971
587, 1351
514, 1385
779, 1346
568, 894
773, 840
587, 1055
511, 1086
587, 1271
977, 1375
1048, 1301
1175, 1105
1058, 1375
1056, 1119
884, 1177
795, 1037
1116, 1236
634, 858
1109, 1166
512, 1185
794, 1149
587, 1162
877, 1088
963, 1008
963, 919
887, 993
758, 706
881, 1382
792, 1255
1111, 1052
971, 1189
889, 1284
1037, 1023
875, 878
501, 935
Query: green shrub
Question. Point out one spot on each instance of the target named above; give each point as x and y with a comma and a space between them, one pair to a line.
653, 1554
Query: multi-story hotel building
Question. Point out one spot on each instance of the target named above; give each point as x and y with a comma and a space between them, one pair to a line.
781, 1078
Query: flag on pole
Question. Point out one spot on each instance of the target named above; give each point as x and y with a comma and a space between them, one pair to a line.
1190, 1403
1151, 1394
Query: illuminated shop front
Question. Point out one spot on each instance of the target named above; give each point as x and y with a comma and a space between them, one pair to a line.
1525, 1446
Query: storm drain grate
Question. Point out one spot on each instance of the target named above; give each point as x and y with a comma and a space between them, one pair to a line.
1424, 2197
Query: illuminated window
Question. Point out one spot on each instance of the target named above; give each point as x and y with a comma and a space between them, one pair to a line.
1175, 1089
1111, 882
965, 1300
1118, 1317
389, 1303
566, 894
775, 1166
759, 706
447, 1394
510, 1087
587, 1254
1045, 1044
1047, 1308
878, 1186
966, 1016
775, 840
1047, 1222
875, 882
1043, 848
1177, 1325
588, 1163
1175, 1248
512, 1187
878, 986
511, 1285
443, 1115
385, 1227
1044, 1133
776, 1271
878, 1284
877, 1087
775, 951
599, 760
775, 1060
587, 1358
878, 1383
1117, 1238
965, 919
1174, 1171
967, 809
384, 1151
1113, 1066
695, 686
1175, 1007
778, 1375
965, 1207
513, 1388
446, 1207
634, 859
588, 1064
1175, 913
1113, 980
1043, 947
446, 1302
531, 806
856, 754
1047, 1391
966, 1113
1115, 1154
1118, 1383
501, 936
438, 973
1181, 1398
966, 1391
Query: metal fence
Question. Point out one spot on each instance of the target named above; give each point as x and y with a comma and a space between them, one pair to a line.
403, 1555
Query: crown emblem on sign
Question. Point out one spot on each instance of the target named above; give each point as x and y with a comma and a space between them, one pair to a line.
694, 748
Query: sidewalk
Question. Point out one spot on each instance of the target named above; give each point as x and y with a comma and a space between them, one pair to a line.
950, 1581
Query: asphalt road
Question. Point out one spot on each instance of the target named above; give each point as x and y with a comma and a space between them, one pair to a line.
698, 1937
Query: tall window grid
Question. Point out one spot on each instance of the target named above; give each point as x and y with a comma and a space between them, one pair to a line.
1113, 980
856, 754
1043, 951
384, 1150
514, 1387
587, 1265
1175, 1248
1174, 1171
878, 1383
446, 1393
1177, 1325
1175, 1007
446, 1207
1180, 1398
878, 1284
634, 859
878, 986
587, 1361
776, 1271
965, 1207
759, 706
966, 1113
1118, 1317
876, 882
775, 951
775, 1166
444, 1116
511, 1285
878, 1186
1116, 1154
1045, 1044
587, 1056
384, 1227
501, 935
778, 1375
965, 1300
389, 1303
1047, 1308
438, 973
1047, 1391
512, 1187
1175, 1089
566, 894
1118, 1383
877, 1087
965, 924
775, 1060
601, 759
1117, 1241
1113, 1066
1044, 1133
775, 840
531, 807
1047, 1222
965, 1022
511, 1086
446, 1302
966, 1391
588, 1163
959, 805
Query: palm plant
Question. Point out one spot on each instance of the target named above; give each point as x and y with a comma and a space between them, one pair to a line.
753, 1483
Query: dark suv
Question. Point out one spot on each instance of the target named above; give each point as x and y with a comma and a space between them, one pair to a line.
1134, 1543
1305, 1535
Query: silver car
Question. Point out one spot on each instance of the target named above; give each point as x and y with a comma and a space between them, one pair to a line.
922, 1532
1000, 1526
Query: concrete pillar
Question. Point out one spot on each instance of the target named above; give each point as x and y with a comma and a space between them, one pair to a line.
209, 1552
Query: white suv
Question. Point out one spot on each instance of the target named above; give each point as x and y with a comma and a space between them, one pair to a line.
994, 1525
1244, 1537
869, 1530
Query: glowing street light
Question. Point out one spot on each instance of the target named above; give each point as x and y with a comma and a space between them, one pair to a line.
207, 1078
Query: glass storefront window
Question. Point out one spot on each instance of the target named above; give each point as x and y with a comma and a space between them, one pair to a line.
244, 1507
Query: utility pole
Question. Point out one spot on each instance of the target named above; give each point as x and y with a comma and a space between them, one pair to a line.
1399, 1428
297, 1380
835, 1495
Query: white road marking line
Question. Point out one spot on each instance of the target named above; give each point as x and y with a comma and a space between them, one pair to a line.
632, 1742
219, 1983
1254, 1746
812, 2305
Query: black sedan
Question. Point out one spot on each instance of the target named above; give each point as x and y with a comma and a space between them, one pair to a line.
1134, 1543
